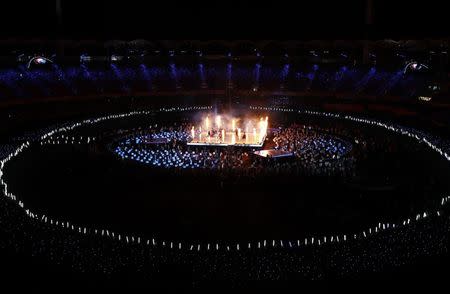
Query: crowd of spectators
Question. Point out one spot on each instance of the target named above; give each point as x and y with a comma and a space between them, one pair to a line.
82, 80
364, 253
314, 152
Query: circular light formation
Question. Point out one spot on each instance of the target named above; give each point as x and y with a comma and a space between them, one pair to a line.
434, 144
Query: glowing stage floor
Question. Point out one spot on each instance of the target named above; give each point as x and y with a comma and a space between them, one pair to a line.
272, 153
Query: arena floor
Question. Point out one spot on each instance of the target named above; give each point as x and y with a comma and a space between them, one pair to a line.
101, 183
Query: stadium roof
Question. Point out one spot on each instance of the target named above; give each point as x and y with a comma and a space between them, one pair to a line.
304, 20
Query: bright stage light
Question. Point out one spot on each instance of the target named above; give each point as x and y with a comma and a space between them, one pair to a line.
218, 121
227, 131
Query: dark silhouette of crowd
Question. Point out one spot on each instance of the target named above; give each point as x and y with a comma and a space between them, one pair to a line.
318, 149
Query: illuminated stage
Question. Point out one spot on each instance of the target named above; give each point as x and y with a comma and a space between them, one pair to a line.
231, 139
272, 153
227, 132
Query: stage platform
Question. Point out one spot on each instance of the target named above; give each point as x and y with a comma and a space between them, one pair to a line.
272, 153
155, 141
230, 139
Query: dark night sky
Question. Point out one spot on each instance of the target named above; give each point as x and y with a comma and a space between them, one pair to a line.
223, 19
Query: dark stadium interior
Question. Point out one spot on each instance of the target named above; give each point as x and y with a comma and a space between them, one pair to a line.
205, 143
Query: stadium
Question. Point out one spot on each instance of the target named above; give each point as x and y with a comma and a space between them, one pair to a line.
235, 162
